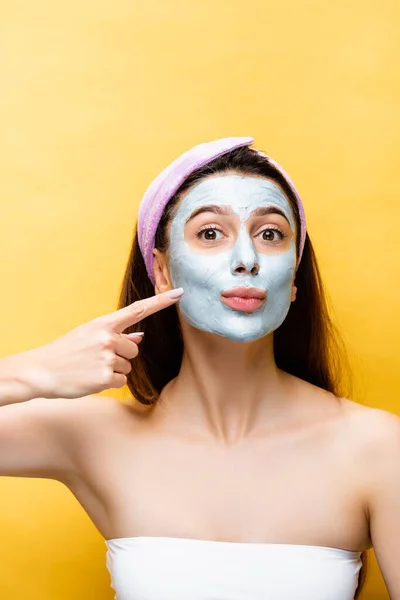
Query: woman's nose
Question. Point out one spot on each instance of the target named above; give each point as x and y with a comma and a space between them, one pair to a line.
252, 269
244, 257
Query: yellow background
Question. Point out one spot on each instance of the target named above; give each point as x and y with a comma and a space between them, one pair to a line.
96, 98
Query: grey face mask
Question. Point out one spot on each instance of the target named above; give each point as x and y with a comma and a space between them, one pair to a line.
204, 275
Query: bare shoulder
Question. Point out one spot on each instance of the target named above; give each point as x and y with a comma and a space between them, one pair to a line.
376, 421
79, 426
89, 414
93, 406
364, 430
107, 409
375, 431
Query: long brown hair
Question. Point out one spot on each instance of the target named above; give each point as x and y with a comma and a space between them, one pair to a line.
306, 345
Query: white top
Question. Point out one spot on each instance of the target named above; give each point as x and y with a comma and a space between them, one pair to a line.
167, 568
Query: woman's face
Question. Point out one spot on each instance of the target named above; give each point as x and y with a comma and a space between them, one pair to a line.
234, 231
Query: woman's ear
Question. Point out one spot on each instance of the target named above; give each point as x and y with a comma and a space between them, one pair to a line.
294, 291
160, 271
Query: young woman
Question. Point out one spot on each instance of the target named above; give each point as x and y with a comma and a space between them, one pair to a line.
238, 470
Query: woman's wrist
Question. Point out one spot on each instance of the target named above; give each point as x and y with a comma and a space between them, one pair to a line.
19, 381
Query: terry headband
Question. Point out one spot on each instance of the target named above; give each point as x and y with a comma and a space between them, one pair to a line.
164, 186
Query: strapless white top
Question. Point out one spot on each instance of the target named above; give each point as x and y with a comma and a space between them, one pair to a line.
165, 568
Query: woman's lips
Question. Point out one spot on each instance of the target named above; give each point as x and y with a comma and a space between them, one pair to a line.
243, 299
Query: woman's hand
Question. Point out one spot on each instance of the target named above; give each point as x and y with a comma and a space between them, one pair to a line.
92, 357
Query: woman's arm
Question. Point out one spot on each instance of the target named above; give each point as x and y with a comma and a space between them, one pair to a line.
46, 437
15, 384
87, 360
382, 474
45, 392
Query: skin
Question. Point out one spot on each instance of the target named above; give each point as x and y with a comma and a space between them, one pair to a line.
236, 450
231, 426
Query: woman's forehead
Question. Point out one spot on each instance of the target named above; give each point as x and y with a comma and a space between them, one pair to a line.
239, 194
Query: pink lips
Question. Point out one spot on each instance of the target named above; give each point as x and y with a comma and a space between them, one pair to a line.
244, 299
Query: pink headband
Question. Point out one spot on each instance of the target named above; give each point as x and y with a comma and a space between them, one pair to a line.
164, 186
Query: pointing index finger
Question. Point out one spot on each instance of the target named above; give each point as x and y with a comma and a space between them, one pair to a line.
139, 310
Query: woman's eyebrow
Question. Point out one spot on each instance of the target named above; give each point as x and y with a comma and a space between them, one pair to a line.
212, 208
261, 211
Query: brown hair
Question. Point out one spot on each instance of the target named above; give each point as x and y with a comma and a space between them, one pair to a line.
306, 345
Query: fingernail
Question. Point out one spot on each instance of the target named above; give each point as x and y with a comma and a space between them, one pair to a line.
138, 333
176, 293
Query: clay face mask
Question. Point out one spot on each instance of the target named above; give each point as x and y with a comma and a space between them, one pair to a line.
238, 256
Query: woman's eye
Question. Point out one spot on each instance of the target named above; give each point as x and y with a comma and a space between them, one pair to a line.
209, 234
272, 235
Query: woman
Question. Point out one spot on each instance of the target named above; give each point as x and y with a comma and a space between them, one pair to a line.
239, 470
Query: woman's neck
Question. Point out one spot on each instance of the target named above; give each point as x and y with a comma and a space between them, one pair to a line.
226, 390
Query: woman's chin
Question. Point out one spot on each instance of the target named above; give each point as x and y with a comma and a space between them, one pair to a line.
238, 335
